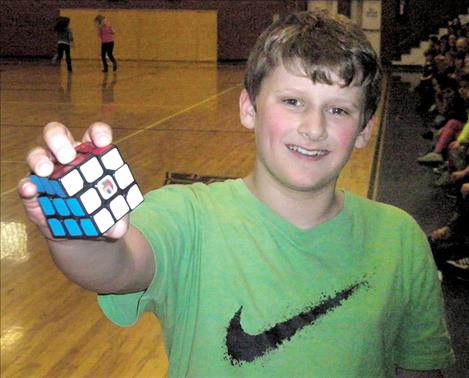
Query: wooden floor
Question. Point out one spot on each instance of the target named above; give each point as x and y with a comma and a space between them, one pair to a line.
166, 117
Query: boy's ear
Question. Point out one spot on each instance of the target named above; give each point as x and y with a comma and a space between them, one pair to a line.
364, 136
247, 112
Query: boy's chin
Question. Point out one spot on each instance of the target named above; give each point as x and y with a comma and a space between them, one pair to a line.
309, 185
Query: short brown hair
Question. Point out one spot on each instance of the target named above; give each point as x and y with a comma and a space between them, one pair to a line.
317, 44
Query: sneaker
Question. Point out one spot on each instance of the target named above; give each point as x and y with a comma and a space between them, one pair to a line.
443, 180
459, 268
431, 158
442, 233
460, 264
442, 168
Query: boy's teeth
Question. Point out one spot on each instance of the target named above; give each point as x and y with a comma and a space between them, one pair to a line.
306, 152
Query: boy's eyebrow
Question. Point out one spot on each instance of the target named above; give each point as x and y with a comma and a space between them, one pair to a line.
344, 100
354, 104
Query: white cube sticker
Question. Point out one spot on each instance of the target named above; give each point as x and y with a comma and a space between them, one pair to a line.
119, 207
134, 197
106, 187
123, 177
90, 200
72, 182
112, 159
103, 220
92, 170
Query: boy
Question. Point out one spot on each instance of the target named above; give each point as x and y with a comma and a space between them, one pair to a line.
277, 274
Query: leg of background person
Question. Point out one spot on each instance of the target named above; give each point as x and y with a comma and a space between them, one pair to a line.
110, 48
60, 52
448, 134
103, 56
68, 57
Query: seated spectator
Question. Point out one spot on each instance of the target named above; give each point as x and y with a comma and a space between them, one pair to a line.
452, 38
444, 45
461, 45
458, 267
434, 46
425, 86
459, 66
447, 134
453, 138
448, 104
451, 242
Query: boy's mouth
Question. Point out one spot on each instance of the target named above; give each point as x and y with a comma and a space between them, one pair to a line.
307, 152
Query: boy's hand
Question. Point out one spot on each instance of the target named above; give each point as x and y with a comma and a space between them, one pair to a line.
465, 190
455, 145
457, 176
61, 148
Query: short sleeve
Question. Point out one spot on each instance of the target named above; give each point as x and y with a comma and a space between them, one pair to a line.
423, 342
165, 220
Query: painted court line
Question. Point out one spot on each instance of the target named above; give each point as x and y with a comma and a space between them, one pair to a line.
159, 122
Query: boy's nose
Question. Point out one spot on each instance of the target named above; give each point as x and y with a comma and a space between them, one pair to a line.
313, 126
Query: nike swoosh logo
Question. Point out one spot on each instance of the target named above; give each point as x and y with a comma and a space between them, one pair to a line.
243, 347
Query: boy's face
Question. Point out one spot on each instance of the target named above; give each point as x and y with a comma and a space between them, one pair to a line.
305, 132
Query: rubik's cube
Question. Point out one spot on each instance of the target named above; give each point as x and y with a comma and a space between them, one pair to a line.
85, 198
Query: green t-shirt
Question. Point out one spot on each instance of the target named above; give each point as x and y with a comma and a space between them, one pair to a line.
240, 292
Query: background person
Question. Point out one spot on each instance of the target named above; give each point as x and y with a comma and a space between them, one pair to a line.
106, 34
64, 40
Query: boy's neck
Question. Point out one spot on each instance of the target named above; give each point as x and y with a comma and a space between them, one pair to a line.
302, 209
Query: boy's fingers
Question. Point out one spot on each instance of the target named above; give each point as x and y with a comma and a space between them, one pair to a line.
26, 189
60, 142
99, 133
118, 230
40, 162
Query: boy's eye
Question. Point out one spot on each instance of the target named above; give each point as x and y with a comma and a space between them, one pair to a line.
338, 111
292, 102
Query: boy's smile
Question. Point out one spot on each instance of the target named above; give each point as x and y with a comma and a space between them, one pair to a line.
305, 132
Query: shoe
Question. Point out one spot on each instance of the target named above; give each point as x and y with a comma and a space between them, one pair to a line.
442, 233
450, 192
104, 70
431, 158
461, 263
442, 168
459, 268
443, 180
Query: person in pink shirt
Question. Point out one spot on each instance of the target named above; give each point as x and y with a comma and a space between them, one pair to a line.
106, 34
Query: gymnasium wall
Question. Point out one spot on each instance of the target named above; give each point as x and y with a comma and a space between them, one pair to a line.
148, 34
26, 26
